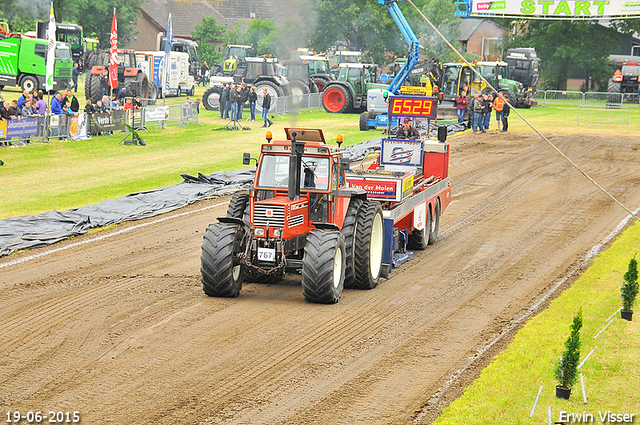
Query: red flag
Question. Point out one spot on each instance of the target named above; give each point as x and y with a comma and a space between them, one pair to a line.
113, 61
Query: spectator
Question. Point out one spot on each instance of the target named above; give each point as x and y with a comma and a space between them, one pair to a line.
29, 108
13, 109
253, 98
498, 105
197, 103
22, 98
204, 73
106, 102
461, 104
116, 105
66, 110
478, 118
488, 106
89, 109
244, 96
506, 109
100, 107
104, 82
74, 105
234, 98
41, 104
226, 100
186, 108
128, 104
266, 104
137, 103
56, 103
75, 73
4, 110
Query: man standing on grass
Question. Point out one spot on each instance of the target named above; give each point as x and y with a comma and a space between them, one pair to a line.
505, 112
266, 104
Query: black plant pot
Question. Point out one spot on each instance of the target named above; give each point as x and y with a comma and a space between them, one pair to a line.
562, 392
626, 314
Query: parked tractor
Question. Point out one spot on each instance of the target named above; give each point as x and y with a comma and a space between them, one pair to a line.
319, 69
497, 74
307, 213
625, 82
130, 78
234, 60
258, 72
524, 66
348, 93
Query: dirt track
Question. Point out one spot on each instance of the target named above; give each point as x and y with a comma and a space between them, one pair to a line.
120, 329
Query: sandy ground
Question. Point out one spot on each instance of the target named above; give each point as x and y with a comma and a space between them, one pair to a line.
119, 328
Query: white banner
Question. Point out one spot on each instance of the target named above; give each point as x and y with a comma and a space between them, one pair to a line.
51, 51
557, 9
156, 113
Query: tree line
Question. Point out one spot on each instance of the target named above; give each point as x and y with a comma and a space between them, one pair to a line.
361, 25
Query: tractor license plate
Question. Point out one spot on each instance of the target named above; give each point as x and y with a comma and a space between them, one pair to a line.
267, 254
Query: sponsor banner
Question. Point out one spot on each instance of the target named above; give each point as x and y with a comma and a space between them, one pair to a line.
388, 190
3, 129
156, 113
106, 122
557, 9
402, 152
22, 128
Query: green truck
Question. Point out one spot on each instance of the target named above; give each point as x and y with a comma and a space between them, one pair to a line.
22, 63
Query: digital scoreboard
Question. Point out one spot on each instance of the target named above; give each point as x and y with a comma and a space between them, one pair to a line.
413, 106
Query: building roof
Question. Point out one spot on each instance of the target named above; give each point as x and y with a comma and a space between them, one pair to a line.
470, 25
186, 14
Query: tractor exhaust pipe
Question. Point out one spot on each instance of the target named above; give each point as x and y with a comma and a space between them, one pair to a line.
295, 164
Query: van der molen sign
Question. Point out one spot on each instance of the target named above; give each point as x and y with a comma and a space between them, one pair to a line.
557, 9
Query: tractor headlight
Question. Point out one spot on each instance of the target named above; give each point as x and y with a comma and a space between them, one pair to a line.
259, 232
277, 232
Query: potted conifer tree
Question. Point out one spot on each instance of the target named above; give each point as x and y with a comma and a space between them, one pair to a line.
629, 289
566, 371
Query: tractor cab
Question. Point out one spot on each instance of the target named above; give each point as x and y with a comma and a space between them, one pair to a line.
296, 185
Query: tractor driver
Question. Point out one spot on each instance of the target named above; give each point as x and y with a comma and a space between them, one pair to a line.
407, 131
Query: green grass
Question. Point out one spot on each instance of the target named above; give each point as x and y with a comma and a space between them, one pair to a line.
70, 174
505, 391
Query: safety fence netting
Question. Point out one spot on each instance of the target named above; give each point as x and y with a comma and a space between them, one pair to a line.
35, 231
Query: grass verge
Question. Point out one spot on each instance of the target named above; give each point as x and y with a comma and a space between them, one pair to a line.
506, 389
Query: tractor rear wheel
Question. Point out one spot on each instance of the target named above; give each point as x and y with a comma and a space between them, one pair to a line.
142, 86
323, 267
299, 91
321, 82
211, 98
419, 239
337, 99
368, 245
221, 271
348, 231
435, 224
239, 208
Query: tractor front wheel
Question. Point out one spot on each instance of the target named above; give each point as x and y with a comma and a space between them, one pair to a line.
323, 267
211, 98
221, 271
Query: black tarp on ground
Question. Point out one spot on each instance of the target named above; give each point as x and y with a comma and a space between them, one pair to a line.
31, 231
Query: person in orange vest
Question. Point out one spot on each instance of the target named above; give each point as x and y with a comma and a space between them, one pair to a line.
498, 105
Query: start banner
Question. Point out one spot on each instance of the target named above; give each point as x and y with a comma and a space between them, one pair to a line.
557, 9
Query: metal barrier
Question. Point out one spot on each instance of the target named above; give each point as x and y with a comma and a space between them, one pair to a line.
40, 129
570, 97
603, 114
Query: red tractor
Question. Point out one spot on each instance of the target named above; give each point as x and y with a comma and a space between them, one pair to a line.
130, 78
306, 213
300, 216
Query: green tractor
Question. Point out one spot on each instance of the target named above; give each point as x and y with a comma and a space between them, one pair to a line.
348, 93
497, 74
234, 60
